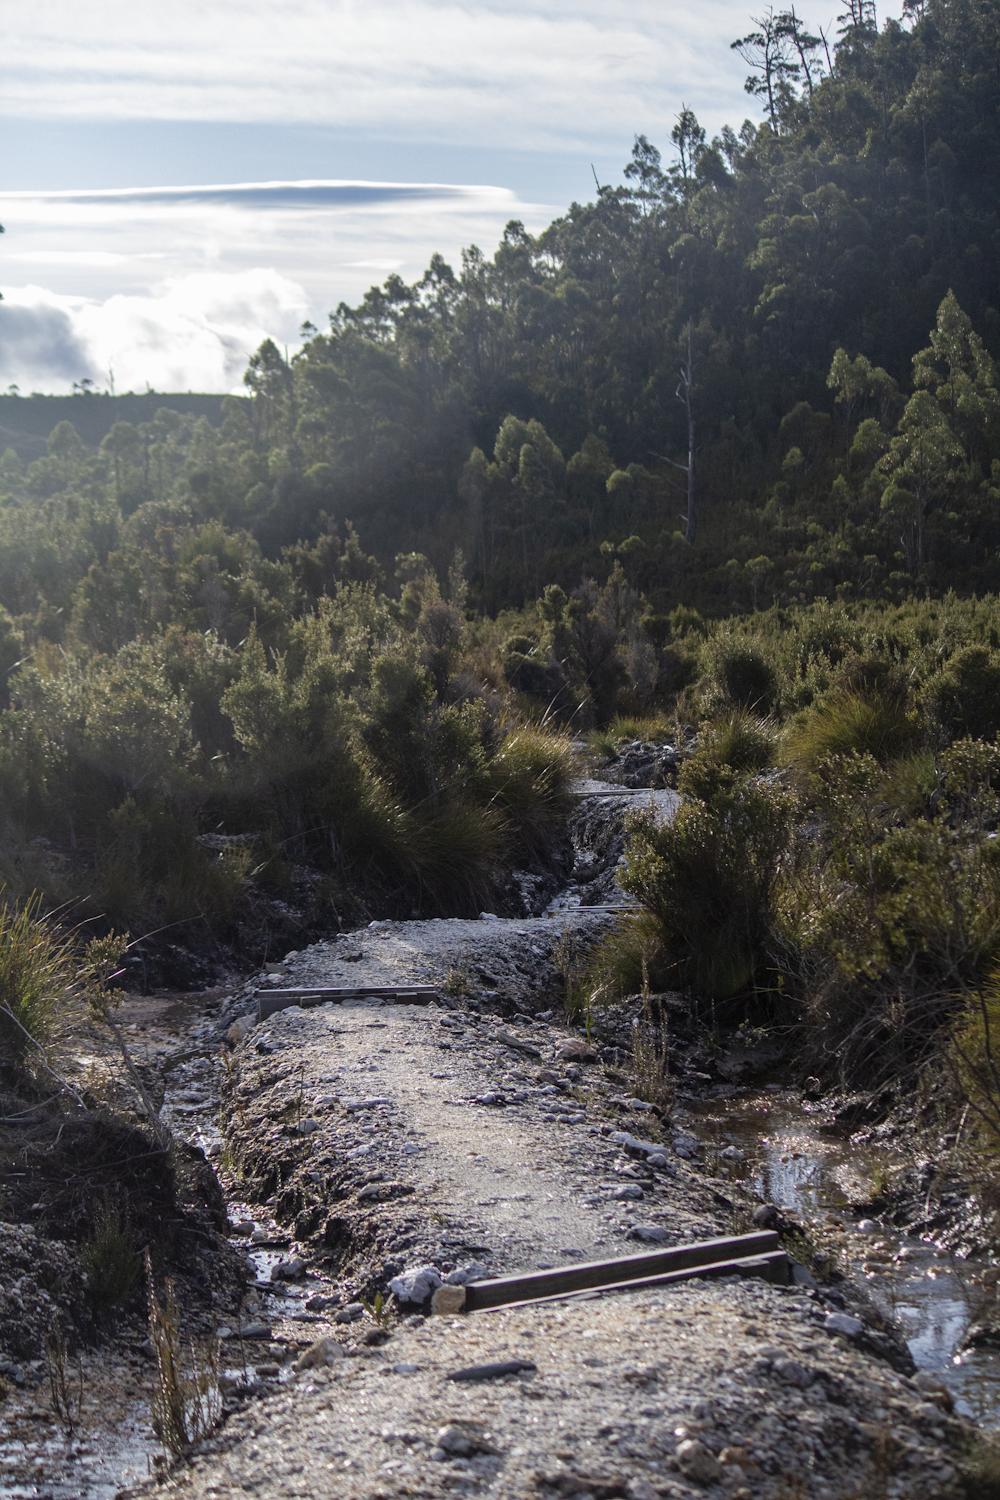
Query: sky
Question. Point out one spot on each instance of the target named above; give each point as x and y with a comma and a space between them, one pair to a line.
179, 182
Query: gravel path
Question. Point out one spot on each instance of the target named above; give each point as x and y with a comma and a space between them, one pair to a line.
717, 1390
374, 1138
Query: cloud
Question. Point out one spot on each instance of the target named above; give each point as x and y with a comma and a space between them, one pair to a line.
193, 332
552, 73
176, 286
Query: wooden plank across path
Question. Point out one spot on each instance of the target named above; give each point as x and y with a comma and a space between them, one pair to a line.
271, 1001
755, 1254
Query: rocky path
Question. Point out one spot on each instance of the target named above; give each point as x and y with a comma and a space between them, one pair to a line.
398, 1137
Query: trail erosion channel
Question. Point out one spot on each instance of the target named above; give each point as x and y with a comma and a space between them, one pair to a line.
368, 1145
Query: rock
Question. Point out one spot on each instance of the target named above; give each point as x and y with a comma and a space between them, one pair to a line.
350, 1314
325, 1351
462, 1439
790, 1372
843, 1323
577, 1049
732, 1153
417, 1284
697, 1462
474, 1271
248, 1331
307, 1127
320, 1304
650, 1234
448, 1299
239, 1029
493, 1371
802, 1276
629, 1190
292, 1269
768, 1216
405, 1367
686, 1147
268, 1371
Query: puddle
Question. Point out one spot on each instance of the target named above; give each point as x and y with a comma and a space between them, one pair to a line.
794, 1160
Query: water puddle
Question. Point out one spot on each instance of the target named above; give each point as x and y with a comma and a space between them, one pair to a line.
807, 1167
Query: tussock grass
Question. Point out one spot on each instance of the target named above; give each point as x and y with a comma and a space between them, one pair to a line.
35, 975
853, 723
605, 742
110, 1256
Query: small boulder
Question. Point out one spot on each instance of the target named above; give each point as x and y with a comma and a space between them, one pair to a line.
417, 1284
325, 1351
697, 1462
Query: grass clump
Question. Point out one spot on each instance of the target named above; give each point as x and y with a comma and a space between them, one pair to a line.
854, 723
35, 975
110, 1257
186, 1403
605, 742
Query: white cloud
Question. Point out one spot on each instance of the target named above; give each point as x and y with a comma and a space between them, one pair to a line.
192, 333
556, 73
177, 286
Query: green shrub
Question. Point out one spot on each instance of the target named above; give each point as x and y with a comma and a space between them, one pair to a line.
966, 694
744, 676
709, 877
35, 974
738, 739
848, 723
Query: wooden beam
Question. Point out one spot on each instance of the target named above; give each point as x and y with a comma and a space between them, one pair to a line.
531, 1286
773, 1267
271, 1001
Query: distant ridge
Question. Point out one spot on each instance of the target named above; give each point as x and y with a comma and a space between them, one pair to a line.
26, 421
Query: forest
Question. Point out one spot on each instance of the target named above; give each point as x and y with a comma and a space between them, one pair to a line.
714, 459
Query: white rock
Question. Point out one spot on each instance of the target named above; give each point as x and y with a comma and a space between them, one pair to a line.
697, 1462
417, 1284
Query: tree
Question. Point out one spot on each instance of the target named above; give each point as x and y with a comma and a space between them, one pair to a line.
769, 53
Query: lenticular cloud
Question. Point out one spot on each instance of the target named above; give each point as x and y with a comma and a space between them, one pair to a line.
193, 332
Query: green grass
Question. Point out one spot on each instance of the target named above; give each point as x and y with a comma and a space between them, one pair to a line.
35, 974
853, 723
606, 742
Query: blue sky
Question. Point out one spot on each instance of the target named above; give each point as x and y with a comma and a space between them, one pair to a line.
418, 126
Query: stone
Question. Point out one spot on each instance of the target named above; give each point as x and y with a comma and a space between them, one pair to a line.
802, 1276
650, 1234
448, 1299
292, 1269
697, 1462
474, 1271
325, 1351
495, 1371
577, 1049
462, 1439
767, 1216
239, 1029
350, 1314
843, 1323
417, 1284
629, 1190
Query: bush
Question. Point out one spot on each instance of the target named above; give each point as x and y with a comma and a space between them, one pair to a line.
35, 974
708, 878
848, 723
966, 694
744, 677
739, 740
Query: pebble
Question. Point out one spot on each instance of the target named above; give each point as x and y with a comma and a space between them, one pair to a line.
325, 1351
